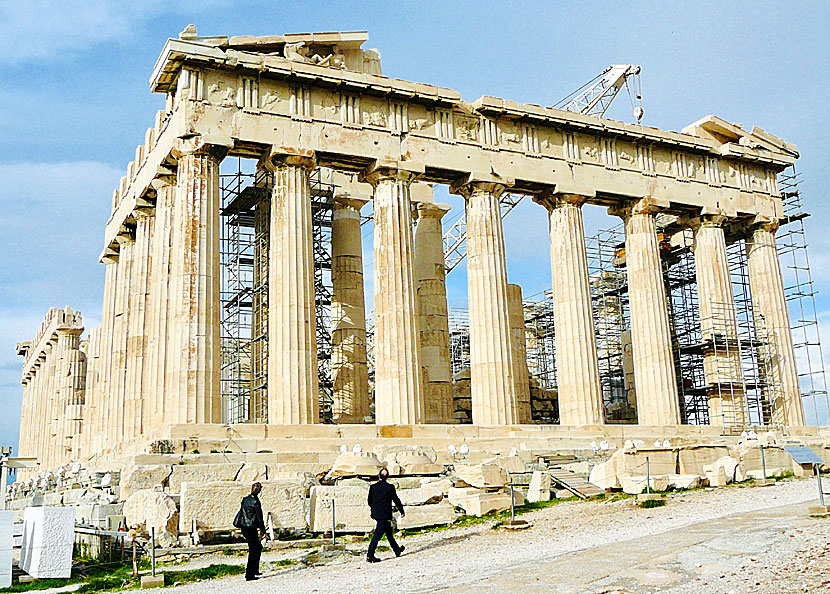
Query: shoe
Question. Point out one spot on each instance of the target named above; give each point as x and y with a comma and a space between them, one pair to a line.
258, 573
372, 559
400, 551
250, 579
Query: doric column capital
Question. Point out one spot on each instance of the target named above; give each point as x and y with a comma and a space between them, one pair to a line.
480, 183
380, 170
349, 201
69, 331
643, 206
277, 157
552, 199
431, 210
214, 146
706, 220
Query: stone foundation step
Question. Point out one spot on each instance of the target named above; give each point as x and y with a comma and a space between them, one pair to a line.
573, 483
557, 459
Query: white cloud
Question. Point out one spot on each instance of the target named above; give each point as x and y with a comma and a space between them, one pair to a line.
38, 29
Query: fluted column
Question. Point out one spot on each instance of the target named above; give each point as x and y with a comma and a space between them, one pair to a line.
137, 325
258, 404
577, 368
491, 359
292, 341
430, 280
96, 434
348, 314
194, 347
158, 307
71, 391
654, 375
117, 396
518, 339
50, 420
718, 324
773, 320
37, 424
398, 373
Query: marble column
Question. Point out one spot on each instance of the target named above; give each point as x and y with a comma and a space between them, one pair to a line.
116, 395
37, 439
718, 324
72, 374
193, 374
491, 359
773, 321
577, 368
398, 374
348, 314
99, 398
158, 306
51, 404
137, 325
654, 375
518, 339
292, 341
433, 316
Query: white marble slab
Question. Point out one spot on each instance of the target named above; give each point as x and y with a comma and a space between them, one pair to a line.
48, 537
6, 546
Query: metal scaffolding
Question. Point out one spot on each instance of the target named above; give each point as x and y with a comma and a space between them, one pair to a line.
245, 203
800, 291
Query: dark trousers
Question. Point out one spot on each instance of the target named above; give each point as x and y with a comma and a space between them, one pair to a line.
254, 551
383, 527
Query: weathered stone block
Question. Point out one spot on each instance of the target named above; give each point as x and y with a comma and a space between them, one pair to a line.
203, 473
684, 481
636, 484
48, 538
604, 475
427, 515
350, 508
355, 464
421, 496
148, 510
137, 478
214, 505
692, 459
6, 546
417, 463
539, 489
510, 464
252, 472
476, 502
481, 475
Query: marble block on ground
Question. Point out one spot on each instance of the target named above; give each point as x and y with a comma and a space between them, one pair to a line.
6, 546
351, 510
48, 538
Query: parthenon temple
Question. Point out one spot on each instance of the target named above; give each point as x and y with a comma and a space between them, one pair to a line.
270, 342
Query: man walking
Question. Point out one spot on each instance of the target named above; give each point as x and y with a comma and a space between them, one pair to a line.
249, 521
381, 496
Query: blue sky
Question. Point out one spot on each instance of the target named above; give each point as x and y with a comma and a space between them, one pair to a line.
74, 103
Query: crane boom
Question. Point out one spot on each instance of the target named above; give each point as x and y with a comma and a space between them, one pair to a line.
592, 98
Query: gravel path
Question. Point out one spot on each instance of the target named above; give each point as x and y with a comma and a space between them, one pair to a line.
594, 547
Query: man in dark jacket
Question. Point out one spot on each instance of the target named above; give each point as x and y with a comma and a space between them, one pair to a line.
249, 520
381, 496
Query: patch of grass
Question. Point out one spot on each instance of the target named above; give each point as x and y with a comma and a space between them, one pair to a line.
229, 552
284, 562
116, 576
210, 572
651, 503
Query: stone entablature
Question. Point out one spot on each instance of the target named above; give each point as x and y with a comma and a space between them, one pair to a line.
57, 319
711, 165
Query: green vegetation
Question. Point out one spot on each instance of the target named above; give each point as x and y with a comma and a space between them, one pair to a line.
650, 503
284, 563
102, 579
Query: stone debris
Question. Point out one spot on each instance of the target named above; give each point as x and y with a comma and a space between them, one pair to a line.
214, 504
147, 509
481, 475
421, 516
202, 473
510, 464
350, 508
476, 502
355, 464
539, 489
137, 478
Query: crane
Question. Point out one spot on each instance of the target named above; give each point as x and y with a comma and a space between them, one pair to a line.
592, 98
